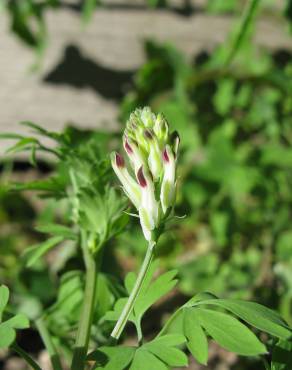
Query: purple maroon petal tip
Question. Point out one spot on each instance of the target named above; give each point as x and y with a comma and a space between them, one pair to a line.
148, 134
175, 136
141, 178
120, 161
165, 156
128, 147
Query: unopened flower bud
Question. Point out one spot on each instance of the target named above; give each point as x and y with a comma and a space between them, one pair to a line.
168, 187
154, 158
147, 117
148, 210
175, 140
130, 186
141, 178
134, 153
161, 128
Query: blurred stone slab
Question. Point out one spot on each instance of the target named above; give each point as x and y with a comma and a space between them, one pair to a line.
111, 46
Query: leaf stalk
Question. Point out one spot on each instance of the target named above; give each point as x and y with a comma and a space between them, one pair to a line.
28, 359
92, 263
47, 340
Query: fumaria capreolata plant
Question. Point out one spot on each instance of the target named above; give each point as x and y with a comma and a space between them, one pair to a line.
84, 326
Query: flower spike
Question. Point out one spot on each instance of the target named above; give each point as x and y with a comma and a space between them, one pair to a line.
152, 153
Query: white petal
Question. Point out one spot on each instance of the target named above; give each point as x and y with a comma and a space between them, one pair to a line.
130, 186
145, 223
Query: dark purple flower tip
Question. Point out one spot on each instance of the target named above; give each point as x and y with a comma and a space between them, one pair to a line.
175, 140
133, 126
128, 147
120, 161
141, 178
148, 134
165, 156
175, 136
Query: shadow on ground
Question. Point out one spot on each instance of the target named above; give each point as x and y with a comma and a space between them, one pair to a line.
77, 70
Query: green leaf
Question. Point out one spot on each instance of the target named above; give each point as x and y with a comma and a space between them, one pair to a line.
223, 99
27, 22
51, 185
163, 348
7, 336
144, 360
170, 340
4, 297
130, 280
40, 130
104, 296
18, 321
118, 357
33, 254
116, 312
7, 328
175, 323
197, 342
157, 289
277, 155
100, 358
150, 292
57, 230
107, 205
69, 299
282, 356
219, 6
230, 333
254, 314
32, 158
10, 136
22, 144
200, 297
156, 354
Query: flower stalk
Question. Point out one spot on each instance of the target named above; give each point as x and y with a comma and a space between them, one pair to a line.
120, 325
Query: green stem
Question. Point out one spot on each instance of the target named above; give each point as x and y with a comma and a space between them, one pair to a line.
169, 321
54, 356
248, 15
139, 333
266, 364
84, 326
120, 325
25, 356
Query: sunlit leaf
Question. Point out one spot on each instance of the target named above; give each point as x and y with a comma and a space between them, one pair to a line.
230, 333
197, 342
